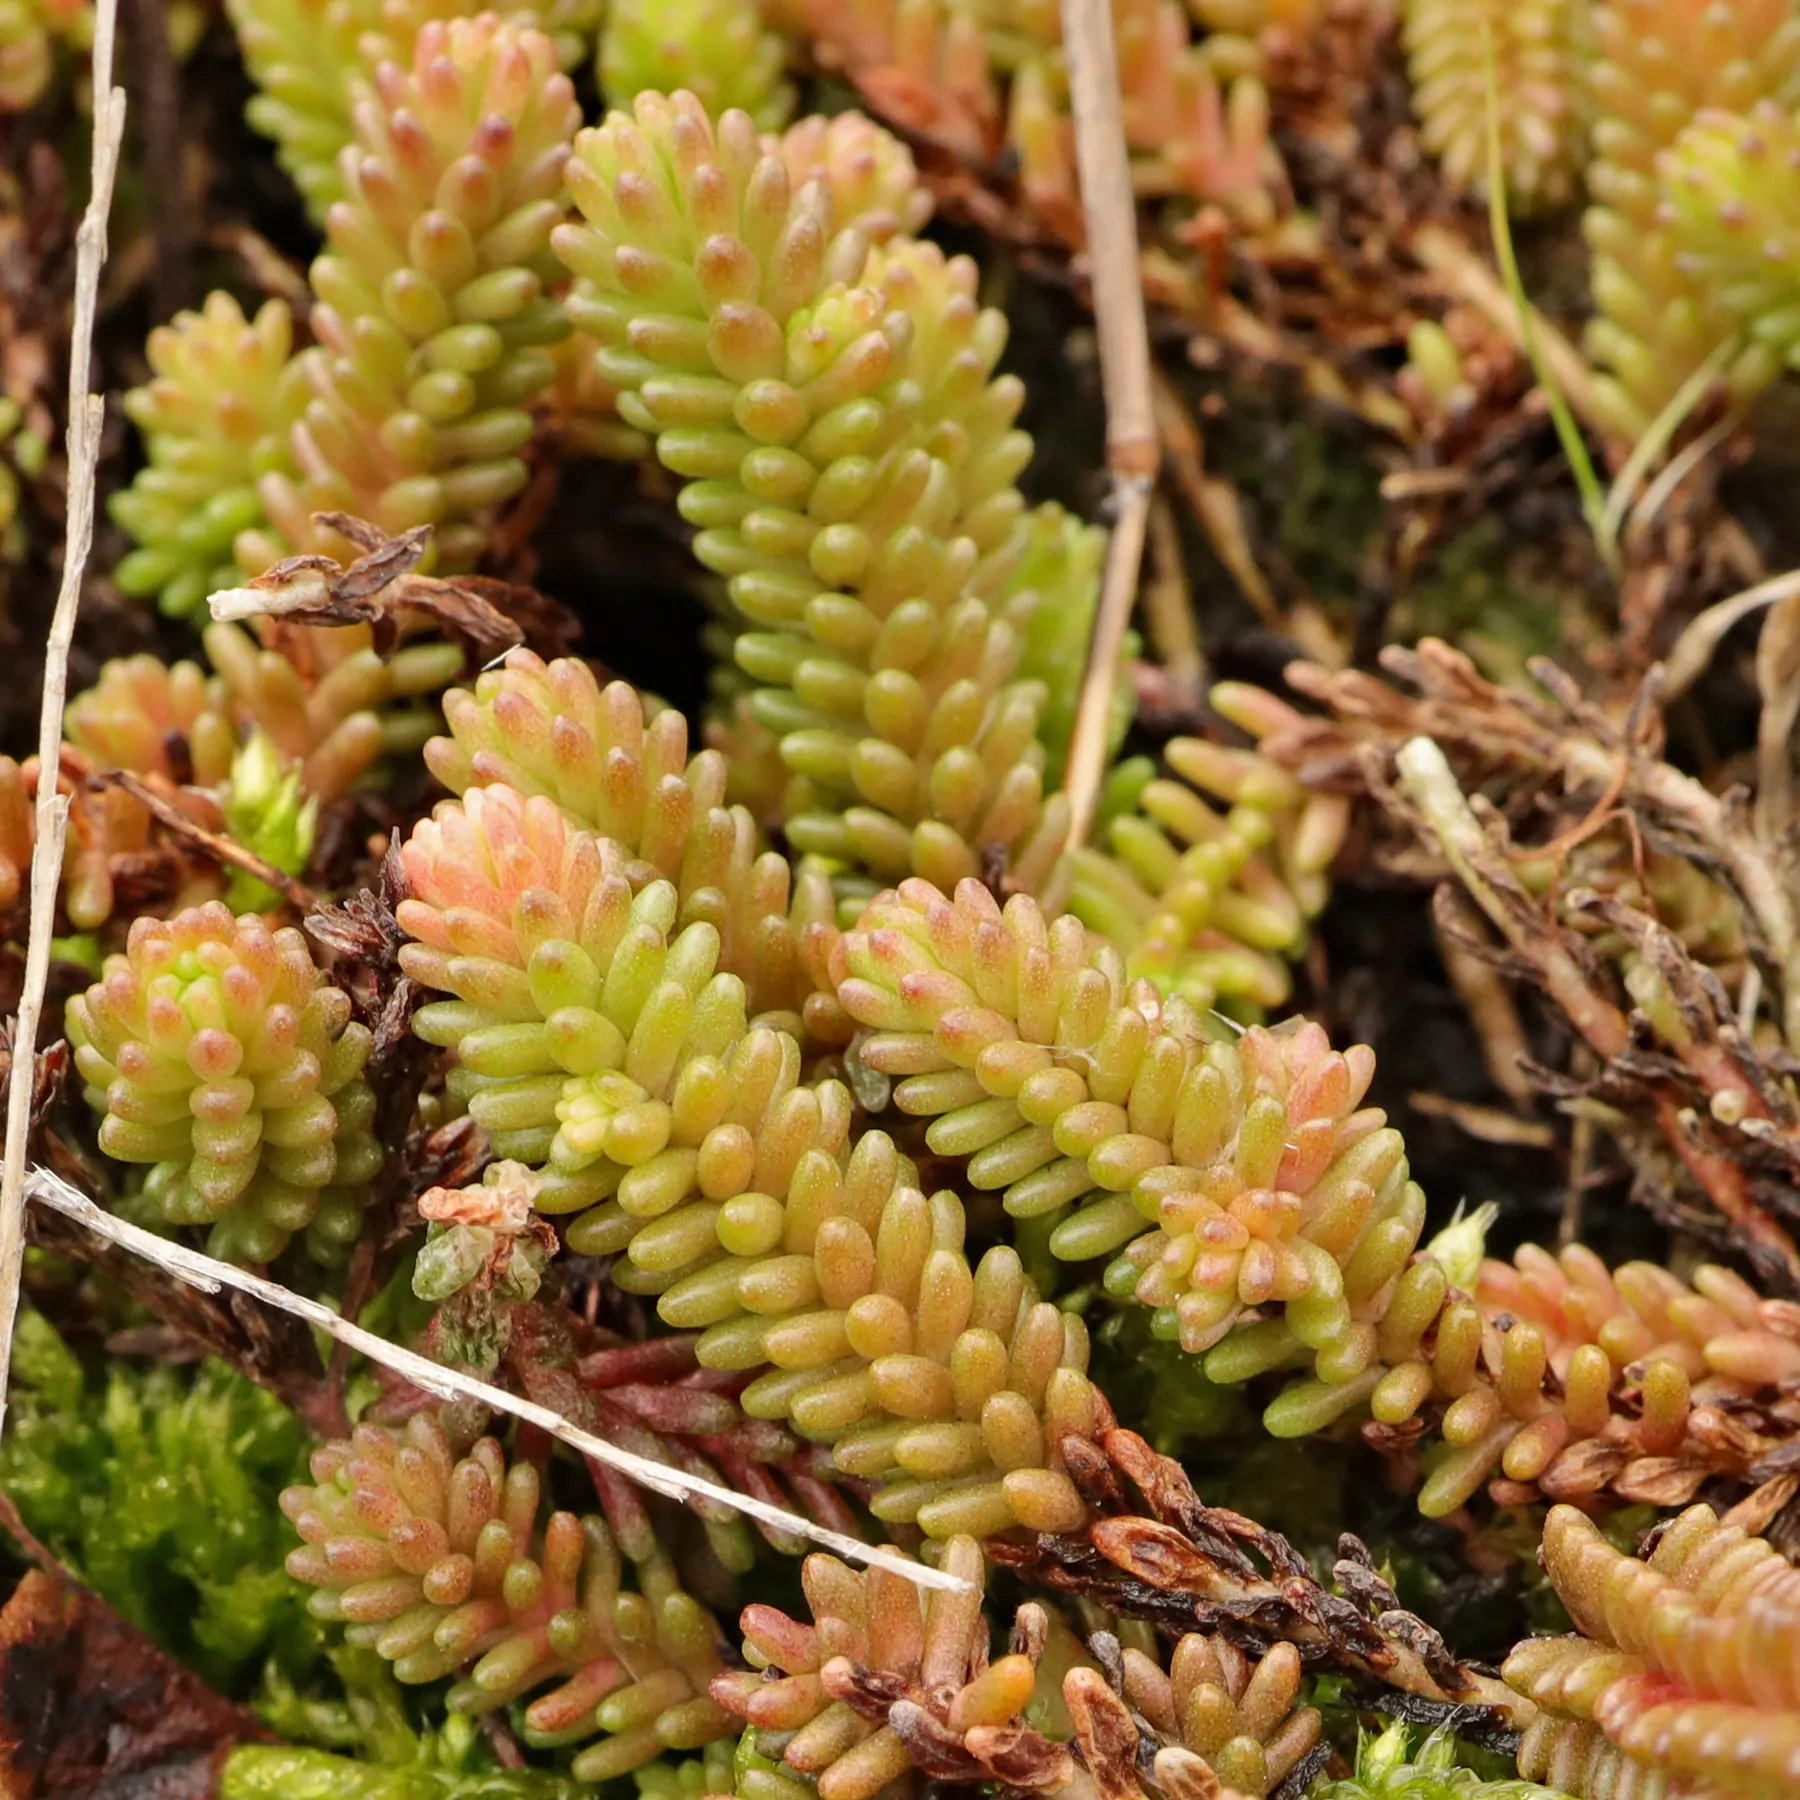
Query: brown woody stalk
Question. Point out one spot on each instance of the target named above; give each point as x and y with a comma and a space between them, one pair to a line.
1110, 210
86, 414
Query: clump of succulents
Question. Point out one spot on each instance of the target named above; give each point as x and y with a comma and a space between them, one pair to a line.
798, 1111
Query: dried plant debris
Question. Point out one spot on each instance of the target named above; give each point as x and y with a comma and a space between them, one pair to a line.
90, 1706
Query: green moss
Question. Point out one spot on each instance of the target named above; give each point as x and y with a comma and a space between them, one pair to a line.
159, 1488
284, 1772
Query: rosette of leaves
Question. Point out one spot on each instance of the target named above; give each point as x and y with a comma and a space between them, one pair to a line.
868, 173
850, 461
167, 724
154, 718
437, 1561
218, 1055
568, 24
432, 316
215, 417
269, 811
718, 50
1661, 64
1540, 55
1390, 1767
552, 730
1684, 1678
309, 57
1730, 189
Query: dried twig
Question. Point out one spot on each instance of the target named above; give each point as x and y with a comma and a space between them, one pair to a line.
210, 1276
1131, 443
1695, 648
86, 413
1482, 867
213, 844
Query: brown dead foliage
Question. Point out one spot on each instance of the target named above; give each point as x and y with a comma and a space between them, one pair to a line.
1157, 1552
90, 1709
1548, 775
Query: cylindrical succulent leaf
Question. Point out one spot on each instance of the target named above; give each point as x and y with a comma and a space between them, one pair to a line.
222, 1058
308, 58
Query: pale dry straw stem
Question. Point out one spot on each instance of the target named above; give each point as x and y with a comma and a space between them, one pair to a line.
210, 1275
86, 413
1110, 212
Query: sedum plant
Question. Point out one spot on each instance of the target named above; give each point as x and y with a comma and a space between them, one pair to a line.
215, 415
720, 51
431, 316
310, 58
599, 1043
220, 1057
886, 1685
851, 460
794, 1123
436, 1561
867, 544
433, 327
1540, 55
1681, 1676
1731, 205
1661, 63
